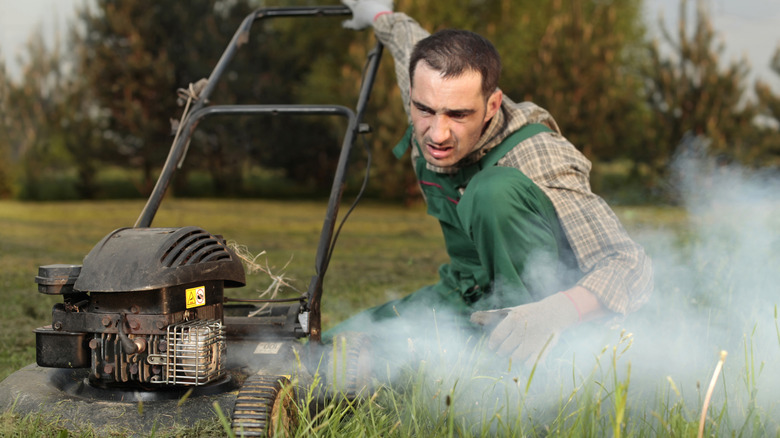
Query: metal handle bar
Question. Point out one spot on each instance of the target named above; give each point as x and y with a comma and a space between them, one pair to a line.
240, 37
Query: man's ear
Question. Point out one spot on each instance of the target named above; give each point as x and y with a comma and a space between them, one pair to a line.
493, 104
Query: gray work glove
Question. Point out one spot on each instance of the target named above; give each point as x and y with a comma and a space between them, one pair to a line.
522, 332
364, 11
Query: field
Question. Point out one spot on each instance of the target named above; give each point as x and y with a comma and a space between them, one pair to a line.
646, 375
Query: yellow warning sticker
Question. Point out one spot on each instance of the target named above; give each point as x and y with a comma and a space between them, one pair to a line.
196, 296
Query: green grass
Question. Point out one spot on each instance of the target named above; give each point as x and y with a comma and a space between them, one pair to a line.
617, 384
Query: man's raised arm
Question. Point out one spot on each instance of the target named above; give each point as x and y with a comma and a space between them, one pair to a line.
397, 31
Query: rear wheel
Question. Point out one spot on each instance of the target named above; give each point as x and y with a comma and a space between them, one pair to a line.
265, 407
349, 366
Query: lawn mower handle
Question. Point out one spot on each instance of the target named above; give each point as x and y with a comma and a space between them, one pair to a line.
198, 111
240, 37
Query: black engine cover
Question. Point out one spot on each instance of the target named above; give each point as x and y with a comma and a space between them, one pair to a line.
140, 259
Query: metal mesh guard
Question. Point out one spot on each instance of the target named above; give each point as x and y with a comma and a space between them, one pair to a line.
195, 350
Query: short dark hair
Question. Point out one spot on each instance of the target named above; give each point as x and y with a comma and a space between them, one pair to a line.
453, 52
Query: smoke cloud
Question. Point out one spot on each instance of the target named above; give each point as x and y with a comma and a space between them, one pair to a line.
716, 288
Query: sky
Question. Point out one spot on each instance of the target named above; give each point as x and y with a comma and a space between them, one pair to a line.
749, 28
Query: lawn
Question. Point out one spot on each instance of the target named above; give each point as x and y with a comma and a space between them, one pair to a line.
646, 375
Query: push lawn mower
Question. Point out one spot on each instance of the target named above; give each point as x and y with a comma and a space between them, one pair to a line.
144, 336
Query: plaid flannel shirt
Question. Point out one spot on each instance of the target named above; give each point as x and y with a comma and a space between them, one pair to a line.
614, 267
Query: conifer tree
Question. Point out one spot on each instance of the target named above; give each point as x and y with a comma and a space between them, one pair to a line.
136, 54
691, 93
6, 165
766, 150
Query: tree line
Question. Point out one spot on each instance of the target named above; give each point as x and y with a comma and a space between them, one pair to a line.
101, 101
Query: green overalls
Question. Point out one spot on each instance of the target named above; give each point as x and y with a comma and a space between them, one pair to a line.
502, 234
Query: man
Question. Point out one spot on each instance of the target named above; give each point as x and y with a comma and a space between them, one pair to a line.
532, 250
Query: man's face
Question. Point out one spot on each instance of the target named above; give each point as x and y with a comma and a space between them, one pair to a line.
449, 114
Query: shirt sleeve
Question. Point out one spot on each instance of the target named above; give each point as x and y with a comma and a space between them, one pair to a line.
399, 33
616, 269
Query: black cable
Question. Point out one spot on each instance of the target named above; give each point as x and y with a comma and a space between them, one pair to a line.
362, 190
262, 300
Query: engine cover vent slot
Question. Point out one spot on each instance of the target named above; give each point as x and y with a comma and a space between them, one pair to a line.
195, 247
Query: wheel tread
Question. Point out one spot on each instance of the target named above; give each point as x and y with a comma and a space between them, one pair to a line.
254, 405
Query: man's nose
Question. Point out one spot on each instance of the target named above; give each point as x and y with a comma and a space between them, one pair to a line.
440, 130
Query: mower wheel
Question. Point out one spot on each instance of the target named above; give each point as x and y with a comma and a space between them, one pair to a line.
265, 407
349, 366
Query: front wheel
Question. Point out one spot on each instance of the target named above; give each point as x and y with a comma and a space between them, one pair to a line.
265, 407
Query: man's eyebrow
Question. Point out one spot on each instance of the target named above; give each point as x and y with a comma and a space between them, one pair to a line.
450, 112
422, 107
460, 112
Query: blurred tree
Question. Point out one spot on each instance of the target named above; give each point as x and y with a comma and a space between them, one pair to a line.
135, 55
690, 93
334, 76
306, 61
38, 119
767, 149
6, 165
583, 70
81, 132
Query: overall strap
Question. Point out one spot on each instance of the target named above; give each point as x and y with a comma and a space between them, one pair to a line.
451, 184
498, 152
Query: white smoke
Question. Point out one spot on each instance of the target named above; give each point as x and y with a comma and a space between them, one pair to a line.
717, 288
717, 285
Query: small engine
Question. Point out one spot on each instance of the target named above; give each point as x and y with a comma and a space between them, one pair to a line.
144, 309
